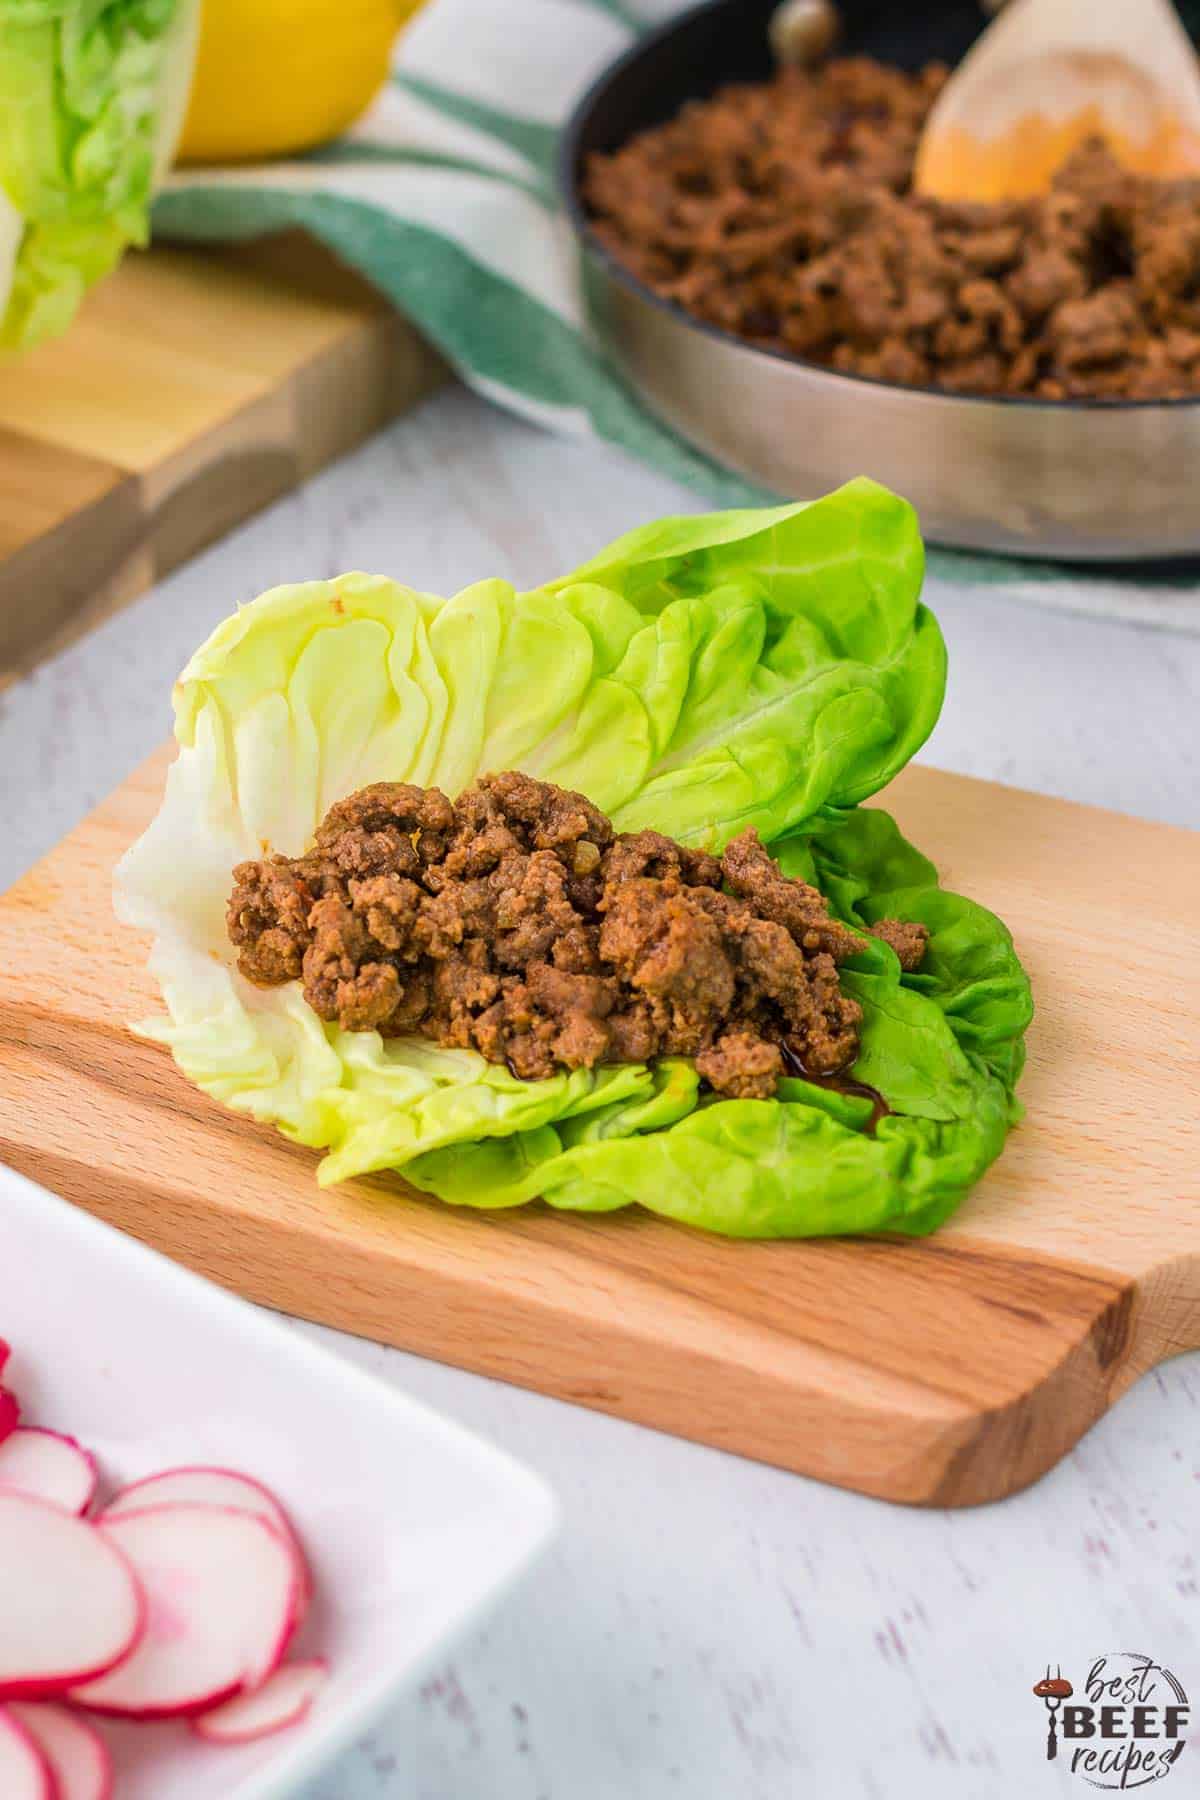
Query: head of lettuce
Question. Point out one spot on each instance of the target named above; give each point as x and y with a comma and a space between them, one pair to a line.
92, 97
769, 669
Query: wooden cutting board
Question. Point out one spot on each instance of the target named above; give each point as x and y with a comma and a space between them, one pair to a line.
194, 388
946, 1371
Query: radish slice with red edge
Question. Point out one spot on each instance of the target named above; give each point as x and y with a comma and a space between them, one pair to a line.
70, 1606
224, 1594
5, 1353
78, 1758
49, 1466
203, 1486
24, 1771
282, 1701
10, 1414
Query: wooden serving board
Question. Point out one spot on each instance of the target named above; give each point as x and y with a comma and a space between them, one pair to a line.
194, 388
945, 1371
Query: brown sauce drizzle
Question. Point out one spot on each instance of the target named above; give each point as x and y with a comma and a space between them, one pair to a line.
840, 1083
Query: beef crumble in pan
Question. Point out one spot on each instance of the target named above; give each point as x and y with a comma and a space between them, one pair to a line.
515, 922
783, 212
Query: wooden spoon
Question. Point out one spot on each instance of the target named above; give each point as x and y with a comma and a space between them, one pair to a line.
1048, 74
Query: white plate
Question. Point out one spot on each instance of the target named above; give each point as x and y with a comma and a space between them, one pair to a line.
413, 1524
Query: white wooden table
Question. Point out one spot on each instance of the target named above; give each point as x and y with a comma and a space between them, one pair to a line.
705, 1626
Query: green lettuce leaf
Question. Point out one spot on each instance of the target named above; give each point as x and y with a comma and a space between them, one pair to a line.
763, 669
970, 970
816, 620
91, 98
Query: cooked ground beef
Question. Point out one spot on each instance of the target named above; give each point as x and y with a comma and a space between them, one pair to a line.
515, 922
907, 938
783, 212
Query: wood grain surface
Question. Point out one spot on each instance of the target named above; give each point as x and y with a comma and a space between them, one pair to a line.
194, 388
946, 1371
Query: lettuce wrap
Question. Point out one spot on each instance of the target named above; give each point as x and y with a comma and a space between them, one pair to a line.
764, 668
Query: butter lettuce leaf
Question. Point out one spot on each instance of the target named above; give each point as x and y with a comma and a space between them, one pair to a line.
92, 94
815, 625
701, 675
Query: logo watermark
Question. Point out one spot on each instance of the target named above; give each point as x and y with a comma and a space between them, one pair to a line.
1123, 1728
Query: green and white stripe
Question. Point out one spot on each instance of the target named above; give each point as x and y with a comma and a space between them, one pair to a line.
444, 196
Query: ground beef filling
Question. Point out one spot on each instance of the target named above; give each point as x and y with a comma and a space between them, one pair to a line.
783, 212
515, 922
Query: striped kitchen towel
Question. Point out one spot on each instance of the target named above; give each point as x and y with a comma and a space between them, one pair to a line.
444, 195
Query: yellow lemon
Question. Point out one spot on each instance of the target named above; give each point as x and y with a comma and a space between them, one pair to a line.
276, 76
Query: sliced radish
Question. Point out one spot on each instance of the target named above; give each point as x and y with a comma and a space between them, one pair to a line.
5, 1353
24, 1771
204, 1486
224, 1594
70, 1607
282, 1701
78, 1758
10, 1414
49, 1466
